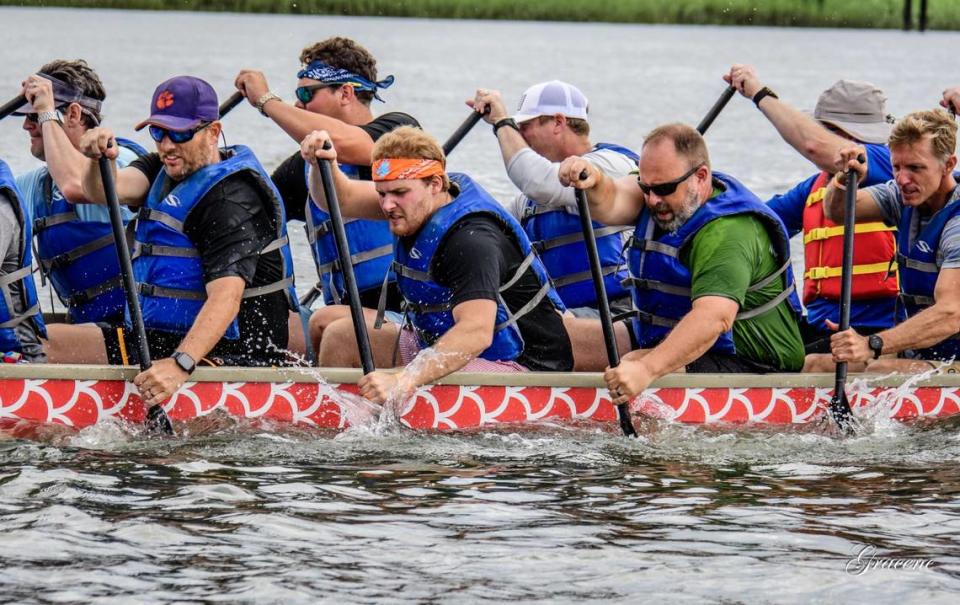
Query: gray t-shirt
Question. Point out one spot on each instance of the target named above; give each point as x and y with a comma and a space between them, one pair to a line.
32, 350
888, 199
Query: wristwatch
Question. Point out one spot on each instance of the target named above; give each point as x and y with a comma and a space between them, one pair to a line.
184, 361
266, 98
876, 345
46, 116
508, 122
762, 94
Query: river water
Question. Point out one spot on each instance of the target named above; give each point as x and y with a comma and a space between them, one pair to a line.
245, 512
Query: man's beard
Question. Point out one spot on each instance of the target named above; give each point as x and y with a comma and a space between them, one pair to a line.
680, 216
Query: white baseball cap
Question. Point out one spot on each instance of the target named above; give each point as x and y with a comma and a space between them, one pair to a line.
551, 98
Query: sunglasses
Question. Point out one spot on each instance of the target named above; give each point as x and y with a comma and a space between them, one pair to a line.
176, 136
35, 117
305, 94
665, 189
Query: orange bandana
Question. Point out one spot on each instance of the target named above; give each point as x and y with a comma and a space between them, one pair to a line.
398, 169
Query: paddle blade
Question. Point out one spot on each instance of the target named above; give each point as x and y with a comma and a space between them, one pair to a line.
840, 412
158, 422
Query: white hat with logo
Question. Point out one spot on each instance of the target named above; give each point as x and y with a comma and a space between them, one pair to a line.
551, 98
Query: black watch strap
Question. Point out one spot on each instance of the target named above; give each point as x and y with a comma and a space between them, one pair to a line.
876, 345
510, 122
184, 361
762, 94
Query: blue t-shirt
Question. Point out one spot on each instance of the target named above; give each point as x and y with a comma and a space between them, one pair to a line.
789, 207
31, 187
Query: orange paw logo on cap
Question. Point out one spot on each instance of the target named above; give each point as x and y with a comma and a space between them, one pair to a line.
165, 99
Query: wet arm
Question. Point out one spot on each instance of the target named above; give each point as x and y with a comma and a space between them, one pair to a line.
220, 308
358, 199
693, 336
132, 185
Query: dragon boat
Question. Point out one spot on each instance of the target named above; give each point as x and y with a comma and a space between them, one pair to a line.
80, 396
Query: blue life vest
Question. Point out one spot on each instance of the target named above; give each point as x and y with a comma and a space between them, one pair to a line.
80, 257
661, 283
371, 248
167, 266
9, 319
428, 303
920, 268
558, 237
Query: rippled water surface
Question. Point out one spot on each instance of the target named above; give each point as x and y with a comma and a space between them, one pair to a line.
245, 512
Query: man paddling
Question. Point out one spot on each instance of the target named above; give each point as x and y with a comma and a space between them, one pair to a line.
549, 126
211, 258
335, 89
847, 111
475, 292
709, 265
74, 239
21, 325
922, 202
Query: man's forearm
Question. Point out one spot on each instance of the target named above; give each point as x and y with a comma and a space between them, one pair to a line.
219, 310
536, 177
925, 329
804, 134
353, 144
64, 162
690, 338
357, 199
455, 349
92, 185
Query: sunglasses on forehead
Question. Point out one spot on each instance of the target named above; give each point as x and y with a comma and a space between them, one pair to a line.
665, 189
176, 136
305, 94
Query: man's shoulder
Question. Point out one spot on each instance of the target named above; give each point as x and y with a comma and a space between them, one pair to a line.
29, 182
611, 162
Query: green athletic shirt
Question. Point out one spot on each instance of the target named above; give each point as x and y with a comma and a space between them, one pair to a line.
725, 257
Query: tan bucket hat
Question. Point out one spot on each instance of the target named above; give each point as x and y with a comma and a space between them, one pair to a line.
857, 108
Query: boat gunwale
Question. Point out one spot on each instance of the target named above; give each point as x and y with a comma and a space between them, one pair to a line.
525, 379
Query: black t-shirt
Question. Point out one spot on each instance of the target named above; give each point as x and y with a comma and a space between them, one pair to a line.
229, 227
475, 258
289, 179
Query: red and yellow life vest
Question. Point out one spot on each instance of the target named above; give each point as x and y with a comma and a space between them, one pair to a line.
874, 252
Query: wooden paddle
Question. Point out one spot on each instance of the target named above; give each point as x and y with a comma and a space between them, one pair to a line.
716, 109
157, 419
231, 102
839, 405
603, 305
346, 265
12, 105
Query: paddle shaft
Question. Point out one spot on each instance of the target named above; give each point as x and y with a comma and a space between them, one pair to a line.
156, 416
603, 305
12, 105
716, 109
346, 266
461, 132
231, 102
839, 405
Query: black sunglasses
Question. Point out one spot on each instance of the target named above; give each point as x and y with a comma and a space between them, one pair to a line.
305, 94
176, 136
665, 189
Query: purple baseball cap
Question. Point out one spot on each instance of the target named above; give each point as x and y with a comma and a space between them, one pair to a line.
182, 103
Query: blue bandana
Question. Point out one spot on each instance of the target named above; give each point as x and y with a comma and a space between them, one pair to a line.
322, 72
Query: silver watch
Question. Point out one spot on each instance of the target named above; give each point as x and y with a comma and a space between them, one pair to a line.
46, 116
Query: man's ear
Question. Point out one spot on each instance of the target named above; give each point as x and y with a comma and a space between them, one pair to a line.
72, 115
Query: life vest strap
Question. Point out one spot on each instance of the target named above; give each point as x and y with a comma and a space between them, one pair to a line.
917, 265
582, 276
916, 300
358, 258
62, 260
280, 284
141, 249
650, 245
828, 272
152, 290
647, 318
15, 276
19, 318
572, 238
530, 306
822, 233
161, 217
276, 244
767, 306
652, 284
519, 272
84, 296
45, 222
769, 279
